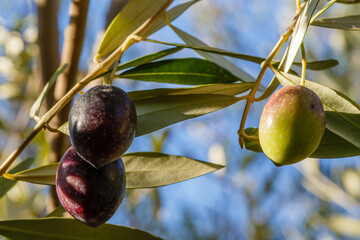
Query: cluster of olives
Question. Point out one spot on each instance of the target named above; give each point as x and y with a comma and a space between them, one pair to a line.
90, 180
291, 125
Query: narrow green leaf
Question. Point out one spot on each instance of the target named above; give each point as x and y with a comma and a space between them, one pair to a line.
143, 60
188, 71
342, 113
143, 170
299, 33
41, 175
149, 169
6, 184
35, 108
313, 65
230, 89
334, 146
67, 229
319, 65
331, 145
346, 23
161, 111
130, 18
191, 40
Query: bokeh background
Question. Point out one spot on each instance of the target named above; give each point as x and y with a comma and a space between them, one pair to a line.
250, 198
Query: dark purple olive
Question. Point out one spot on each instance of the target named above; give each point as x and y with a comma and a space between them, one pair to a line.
102, 124
90, 195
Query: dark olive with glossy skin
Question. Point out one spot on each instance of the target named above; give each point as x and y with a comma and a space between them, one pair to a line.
90, 195
291, 125
102, 124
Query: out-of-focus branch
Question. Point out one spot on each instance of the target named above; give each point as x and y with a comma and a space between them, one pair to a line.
73, 41
48, 41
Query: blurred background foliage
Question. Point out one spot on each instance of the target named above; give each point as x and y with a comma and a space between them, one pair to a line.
251, 198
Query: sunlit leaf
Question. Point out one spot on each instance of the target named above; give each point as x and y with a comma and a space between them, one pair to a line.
331, 145
143, 170
41, 175
299, 32
6, 184
35, 108
230, 89
64, 228
143, 60
342, 113
188, 71
149, 169
158, 112
130, 18
344, 225
347, 22
319, 65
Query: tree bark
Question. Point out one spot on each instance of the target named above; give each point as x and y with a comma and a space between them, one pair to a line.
73, 42
48, 41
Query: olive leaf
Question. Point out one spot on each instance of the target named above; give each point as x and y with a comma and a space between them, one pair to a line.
41, 175
230, 89
143, 170
346, 23
158, 112
188, 71
65, 228
150, 169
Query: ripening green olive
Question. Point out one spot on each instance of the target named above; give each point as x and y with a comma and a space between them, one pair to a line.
291, 125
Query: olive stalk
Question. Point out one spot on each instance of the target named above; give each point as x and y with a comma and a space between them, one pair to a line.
101, 68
